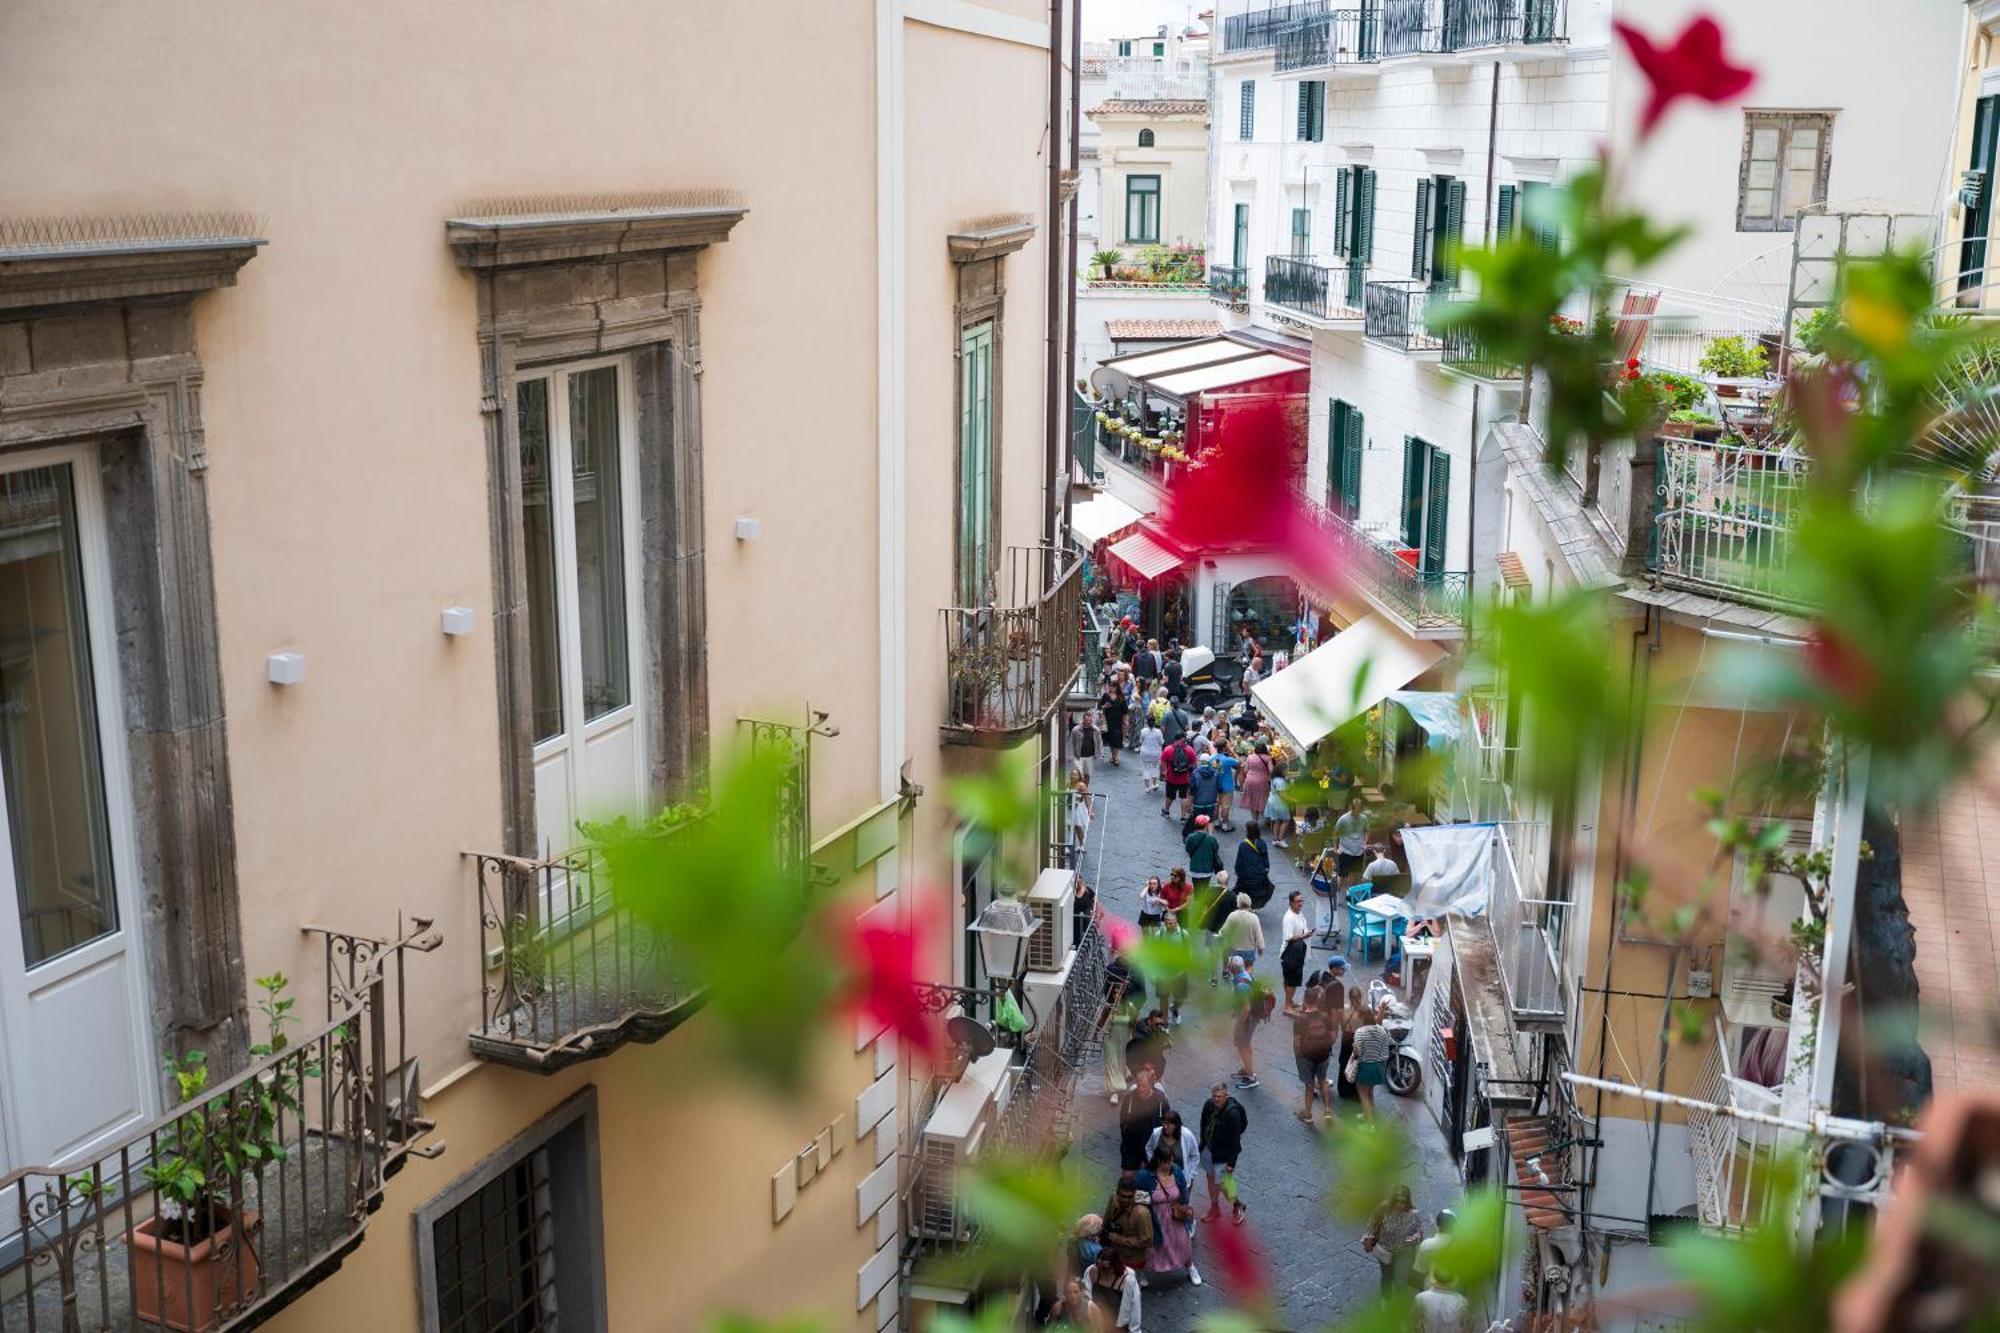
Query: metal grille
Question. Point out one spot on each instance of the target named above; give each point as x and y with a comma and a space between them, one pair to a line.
496, 1257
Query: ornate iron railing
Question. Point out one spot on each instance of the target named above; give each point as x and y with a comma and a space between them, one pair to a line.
223, 1210
1331, 40
1259, 29
1008, 666
1440, 27
1528, 935
1321, 291
1228, 284
1420, 600
1396, 313
1723, 516
1465, 352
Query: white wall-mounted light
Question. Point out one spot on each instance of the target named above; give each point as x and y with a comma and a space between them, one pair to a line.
456, 620
285, 668
749, 529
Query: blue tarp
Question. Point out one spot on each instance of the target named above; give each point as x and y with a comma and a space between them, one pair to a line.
1436, 712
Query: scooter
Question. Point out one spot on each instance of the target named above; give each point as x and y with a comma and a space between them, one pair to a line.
1405, 1070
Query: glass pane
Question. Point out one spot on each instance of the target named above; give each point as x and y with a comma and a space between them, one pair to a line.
1805, 137
1763, 175
531, 404
1763, 143
600, 540
975, 518
1757, 203
49, 756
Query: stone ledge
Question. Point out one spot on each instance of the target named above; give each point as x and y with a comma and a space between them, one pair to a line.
545, 238
31, 279
989, 242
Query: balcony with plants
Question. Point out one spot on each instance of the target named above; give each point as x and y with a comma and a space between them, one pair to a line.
1318, 295
254, 1188
1148, 267
1009, 663
1230, 285
1150, 440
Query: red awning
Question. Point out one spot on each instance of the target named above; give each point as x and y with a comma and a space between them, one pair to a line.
1147, 556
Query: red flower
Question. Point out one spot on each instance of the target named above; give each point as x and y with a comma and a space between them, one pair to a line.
884, 988
1243, 1265
1632, 374
1694, 66
1837, 666
1631, 363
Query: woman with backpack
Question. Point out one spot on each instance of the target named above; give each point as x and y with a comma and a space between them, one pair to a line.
1315, 1035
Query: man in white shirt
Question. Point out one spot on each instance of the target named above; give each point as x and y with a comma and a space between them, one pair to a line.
1442, 1310
1296, 932
1382, 869
1350, 833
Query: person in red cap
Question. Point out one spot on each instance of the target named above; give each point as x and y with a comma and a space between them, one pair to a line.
1204, 852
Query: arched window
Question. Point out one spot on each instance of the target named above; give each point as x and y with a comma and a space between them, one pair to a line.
1145, 138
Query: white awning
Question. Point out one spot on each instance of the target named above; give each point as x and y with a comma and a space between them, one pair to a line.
1187, 383
1334, 682
1099, 517
1208, 351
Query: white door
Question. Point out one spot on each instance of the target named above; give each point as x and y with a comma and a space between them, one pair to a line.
75, 1061
580, 522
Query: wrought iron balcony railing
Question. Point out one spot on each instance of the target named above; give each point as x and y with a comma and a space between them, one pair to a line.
1008, 666
1330, 41
1259, 29
1228, 284
1320, 291
1444, 27
229, 1206
1397, 313
1528, 934
1421, 600
1468, 354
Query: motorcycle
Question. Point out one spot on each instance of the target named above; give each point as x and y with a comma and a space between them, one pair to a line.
1405, 1069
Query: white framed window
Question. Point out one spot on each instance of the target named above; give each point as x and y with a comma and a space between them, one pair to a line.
580, 526
1786, 158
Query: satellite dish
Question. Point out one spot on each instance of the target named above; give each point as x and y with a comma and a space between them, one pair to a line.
970, 1034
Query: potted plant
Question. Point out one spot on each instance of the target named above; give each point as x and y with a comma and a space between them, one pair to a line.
1687, 423
194, 1262
1105, 261
1729, 359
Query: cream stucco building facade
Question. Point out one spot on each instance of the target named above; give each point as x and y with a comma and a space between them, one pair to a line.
426, 429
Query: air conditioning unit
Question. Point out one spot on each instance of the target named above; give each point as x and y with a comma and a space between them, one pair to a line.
1755, 975
952, 1136
1052, 901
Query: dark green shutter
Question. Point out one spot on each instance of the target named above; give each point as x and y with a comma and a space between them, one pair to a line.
1305, 112
1343, 200
1435, 529
1451, 231
1503, 222
1350, 466
1420, 239
1336, 445
1414, 470
1536, 205
1364, 214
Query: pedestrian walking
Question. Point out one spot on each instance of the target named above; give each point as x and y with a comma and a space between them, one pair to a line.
1204, 788
1175, 1136
1352, 1019
1151, 743
1114, 1291
1442, 1308
1295, 933
1324, 880
1152, 905
1128, 1222
1079, 812
1166, 1185
1140, 1112
1394, 1232
1223, 1124
1177, 765
1253, 781
1176, 686
1226, 764
1243, 932
1369, 1065
1111, 707
1315, 1034
1253, 865
1252, 674
1151, 1036
1085, 740
1204, 853
1277, 812
1146, 665
1254, 1003
1173, 990
1350, 840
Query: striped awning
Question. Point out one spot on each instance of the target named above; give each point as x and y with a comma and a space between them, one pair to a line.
1146, 555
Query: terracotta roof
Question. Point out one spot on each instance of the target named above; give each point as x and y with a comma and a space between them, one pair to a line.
1150, 106
1121, 330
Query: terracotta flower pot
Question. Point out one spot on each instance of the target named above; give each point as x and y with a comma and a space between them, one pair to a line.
193, 1287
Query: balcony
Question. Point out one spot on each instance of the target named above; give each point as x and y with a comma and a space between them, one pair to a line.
1429, 605
1007, 667
1443, 31
1343, 43
1396, 314
331, 1116
1260, 29
1230, 285
1528, 933
1465, 355
1321, 295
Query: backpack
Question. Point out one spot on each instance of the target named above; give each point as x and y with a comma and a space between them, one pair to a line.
1316, 1034
1263, 1002
1180, 762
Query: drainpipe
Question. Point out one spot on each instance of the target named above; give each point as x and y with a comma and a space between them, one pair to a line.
890, 338
1057, 506
1069, 269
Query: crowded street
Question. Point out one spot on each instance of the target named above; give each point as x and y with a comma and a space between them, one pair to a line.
1286, 1171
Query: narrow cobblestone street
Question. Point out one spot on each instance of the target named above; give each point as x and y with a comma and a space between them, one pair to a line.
1319, 1270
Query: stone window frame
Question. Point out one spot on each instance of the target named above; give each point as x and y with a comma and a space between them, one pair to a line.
97, 347
1785, 120
562, 287
979, 259
570, 1132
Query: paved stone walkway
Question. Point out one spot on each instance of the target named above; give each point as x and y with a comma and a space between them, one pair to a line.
1320, 1271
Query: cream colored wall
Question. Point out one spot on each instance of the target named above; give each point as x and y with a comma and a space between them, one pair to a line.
1179, 157
347, 475
1982, 55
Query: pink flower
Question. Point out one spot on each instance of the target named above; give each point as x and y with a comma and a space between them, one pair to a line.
1694, 66
1119, 933
1243, 1265
884, 987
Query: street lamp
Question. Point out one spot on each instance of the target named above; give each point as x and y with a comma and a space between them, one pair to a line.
1003, 929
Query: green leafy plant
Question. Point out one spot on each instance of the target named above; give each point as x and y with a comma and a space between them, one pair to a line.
1733, 358
1689, 416
1810, 332
1105, 261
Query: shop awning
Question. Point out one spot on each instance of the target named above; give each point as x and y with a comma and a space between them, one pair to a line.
1099, 517
1342, 678
1228, 374
1146, 556
1207, 351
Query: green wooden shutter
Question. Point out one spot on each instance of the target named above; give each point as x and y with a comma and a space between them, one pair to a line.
1414, 471
1503, 222
1343, 201
1420, 236
1350, 466
1536, 203
1305, 113
1451, 232
1336, 444
1435, 528
1364, 214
